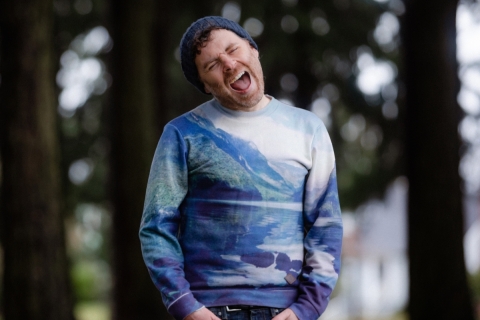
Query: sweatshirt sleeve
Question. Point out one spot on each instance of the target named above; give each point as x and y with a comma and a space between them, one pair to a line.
323, 229
166, 189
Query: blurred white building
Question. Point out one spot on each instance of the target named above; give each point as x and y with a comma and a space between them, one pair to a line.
374, 277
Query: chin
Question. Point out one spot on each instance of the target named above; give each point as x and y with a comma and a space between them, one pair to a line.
245, 102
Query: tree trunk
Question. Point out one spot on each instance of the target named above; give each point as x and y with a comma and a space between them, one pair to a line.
133, 135
35, 284
438, 283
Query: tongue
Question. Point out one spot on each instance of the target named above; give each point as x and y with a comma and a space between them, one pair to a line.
241, 84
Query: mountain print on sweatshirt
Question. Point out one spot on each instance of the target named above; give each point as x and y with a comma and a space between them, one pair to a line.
235, 202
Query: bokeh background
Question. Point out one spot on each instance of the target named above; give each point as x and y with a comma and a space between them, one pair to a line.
87, 85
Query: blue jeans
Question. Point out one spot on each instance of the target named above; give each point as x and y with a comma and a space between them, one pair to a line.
247, 313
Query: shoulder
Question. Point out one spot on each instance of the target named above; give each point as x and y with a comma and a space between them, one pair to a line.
195, 115
297, 117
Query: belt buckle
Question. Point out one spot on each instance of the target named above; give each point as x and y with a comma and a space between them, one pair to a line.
230, 310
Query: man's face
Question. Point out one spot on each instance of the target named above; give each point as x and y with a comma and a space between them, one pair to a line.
230, 70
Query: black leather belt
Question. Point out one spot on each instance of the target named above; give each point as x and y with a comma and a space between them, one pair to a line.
242, 307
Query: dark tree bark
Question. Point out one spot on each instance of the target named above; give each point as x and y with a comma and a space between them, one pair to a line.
163, 51
133, 136
35, 284
438, 283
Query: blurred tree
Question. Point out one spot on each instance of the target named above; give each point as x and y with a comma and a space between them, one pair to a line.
81, 43
133, 137
35, 275
438, 282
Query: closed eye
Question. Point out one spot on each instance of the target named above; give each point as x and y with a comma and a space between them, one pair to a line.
211, 66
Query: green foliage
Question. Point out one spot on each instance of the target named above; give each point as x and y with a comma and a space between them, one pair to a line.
91, 280
323, 62
321, 52
474, 280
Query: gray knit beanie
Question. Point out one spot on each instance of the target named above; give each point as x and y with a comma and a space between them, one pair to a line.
187, 55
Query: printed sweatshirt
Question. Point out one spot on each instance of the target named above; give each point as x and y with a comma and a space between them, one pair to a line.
242, 208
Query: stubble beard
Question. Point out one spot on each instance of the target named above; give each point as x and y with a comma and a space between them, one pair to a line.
235, 101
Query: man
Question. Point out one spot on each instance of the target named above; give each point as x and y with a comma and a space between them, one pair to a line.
241, 217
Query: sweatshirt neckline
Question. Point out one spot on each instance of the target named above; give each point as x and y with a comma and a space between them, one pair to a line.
269, 108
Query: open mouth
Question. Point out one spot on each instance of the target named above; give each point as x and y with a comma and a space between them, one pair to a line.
241, 82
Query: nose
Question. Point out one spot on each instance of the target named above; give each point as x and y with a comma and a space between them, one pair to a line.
228, 62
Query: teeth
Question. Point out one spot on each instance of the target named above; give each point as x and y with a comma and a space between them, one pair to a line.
238, 77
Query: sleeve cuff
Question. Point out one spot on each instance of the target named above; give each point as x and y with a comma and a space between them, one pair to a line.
183, 306
304, 311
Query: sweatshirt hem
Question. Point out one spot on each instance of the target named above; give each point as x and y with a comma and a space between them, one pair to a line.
271, 297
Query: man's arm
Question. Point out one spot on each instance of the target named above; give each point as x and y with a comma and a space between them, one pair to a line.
166, 189
323, 227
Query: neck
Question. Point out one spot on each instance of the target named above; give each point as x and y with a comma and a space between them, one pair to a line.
238, 107
261, 104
